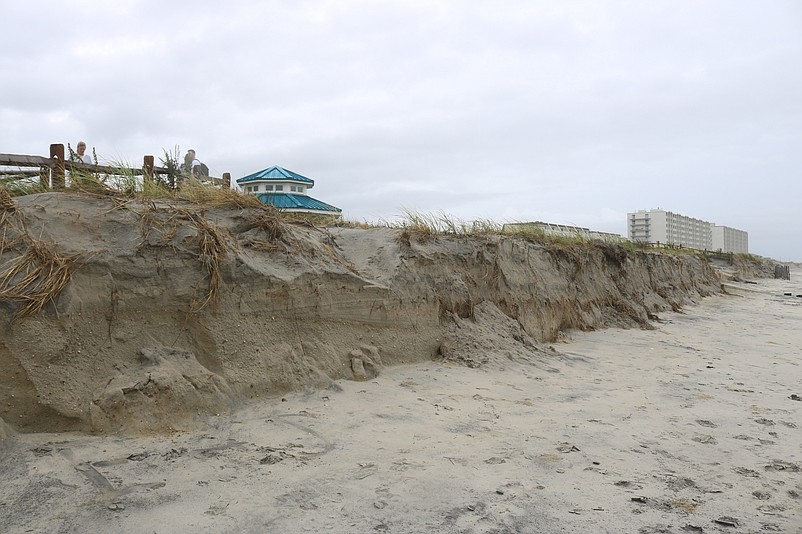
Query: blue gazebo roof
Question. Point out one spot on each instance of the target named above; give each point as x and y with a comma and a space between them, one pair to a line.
293, 201
276, 173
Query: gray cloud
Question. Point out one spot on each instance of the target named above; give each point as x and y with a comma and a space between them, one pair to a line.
569, 112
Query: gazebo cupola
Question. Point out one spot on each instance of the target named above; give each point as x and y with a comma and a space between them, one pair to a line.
286, 190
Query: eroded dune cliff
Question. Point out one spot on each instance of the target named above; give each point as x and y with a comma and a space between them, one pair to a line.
154, 313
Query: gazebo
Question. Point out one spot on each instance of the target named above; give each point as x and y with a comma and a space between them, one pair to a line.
286, 190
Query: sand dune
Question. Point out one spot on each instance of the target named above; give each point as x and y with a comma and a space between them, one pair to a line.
161, 312
693, 426
205, 369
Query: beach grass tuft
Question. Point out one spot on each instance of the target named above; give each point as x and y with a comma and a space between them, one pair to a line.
6, 200
36, 277
216, 197
271, 221
211, 251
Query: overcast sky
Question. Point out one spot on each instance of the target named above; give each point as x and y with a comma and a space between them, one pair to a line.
572, 112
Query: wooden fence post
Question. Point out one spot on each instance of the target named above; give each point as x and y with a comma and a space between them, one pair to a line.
57, 153
147, 171
227, 180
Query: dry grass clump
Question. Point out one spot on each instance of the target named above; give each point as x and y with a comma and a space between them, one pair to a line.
211, 244
163, 221
532, 233
211, 251
663, 248
9, 238
424, 226
34, 278
311, 219
261, 246
93, 184
539, 235
7, 207
575, 247
6, 201
345, 223
38, 274
21, 187
487, 227
271, 221
206, 195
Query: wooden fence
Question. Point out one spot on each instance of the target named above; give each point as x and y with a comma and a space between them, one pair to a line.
782, 272
52, 171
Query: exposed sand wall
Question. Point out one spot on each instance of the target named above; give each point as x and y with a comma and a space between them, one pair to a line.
128, 344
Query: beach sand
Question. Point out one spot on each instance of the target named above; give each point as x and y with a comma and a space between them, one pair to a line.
693, 426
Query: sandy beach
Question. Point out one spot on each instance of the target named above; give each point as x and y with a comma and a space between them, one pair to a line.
693, 426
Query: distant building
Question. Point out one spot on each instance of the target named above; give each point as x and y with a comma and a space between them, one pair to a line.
666, 227
728, 239
286, 190
562, 230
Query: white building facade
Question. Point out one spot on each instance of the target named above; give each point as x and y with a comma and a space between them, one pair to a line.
563, 230
726, 239
666, 227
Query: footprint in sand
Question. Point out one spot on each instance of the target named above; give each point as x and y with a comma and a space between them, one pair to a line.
705, 439
706, 423
746, 472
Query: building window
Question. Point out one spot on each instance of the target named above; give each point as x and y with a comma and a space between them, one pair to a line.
279, 188
268, 188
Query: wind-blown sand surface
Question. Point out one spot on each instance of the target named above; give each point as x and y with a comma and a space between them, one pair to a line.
691, 427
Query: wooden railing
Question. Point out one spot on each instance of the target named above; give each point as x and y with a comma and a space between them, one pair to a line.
52, 171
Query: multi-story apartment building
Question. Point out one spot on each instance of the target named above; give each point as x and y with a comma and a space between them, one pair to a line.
728, 239
661, 226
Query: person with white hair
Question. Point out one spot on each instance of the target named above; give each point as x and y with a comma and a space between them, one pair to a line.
80, 154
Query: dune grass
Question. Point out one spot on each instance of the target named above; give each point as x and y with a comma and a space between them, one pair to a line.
411, 224
424, 226
33, 272
441, 223
21, 187
6, 201
35, 277
211, 251
272, 223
